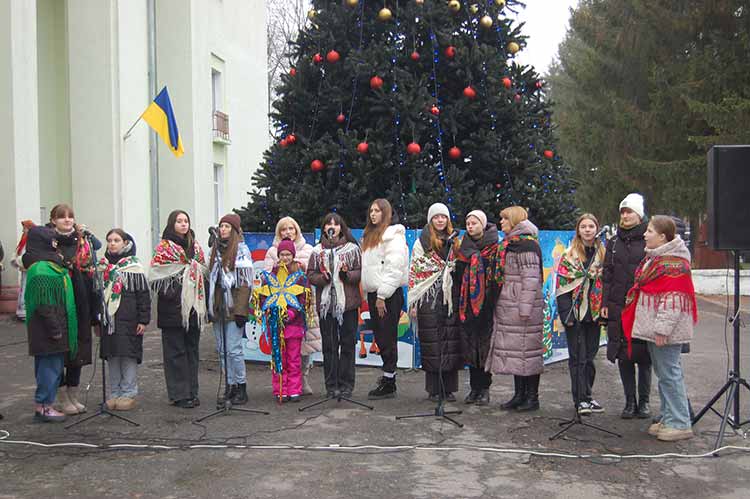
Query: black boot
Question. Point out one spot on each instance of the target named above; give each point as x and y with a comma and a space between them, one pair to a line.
221, 400
644, 391
240, 394
532, 394
483, 398
631, 408
519, 397
471, 398
386, 389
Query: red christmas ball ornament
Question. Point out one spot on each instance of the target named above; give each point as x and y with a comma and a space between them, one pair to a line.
333, 57
498, 186
363, 147
376, 82
340, 118
414, 56
454, 152
469, 92
317, 165
284, 142
539, 84
291, 139
450, 52
549, 154
435, 110
507, 82
317, 58
293, 72
517, 97
413, 148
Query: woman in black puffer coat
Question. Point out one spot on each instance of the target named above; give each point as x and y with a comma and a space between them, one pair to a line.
128, 311
624, 252
438, 328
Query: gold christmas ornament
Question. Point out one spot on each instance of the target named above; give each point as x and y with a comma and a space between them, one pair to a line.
500, 3
474, 8
385, 14
311, 14
486, 22
352, 3
513, 47
454, 5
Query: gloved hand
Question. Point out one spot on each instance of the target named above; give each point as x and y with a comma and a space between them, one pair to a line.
240, 320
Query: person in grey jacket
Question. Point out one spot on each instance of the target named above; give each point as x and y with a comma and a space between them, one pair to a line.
516, 347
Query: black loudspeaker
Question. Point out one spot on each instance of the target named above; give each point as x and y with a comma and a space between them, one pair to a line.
729, 197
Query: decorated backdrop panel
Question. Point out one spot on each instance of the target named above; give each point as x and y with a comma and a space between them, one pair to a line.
553, 244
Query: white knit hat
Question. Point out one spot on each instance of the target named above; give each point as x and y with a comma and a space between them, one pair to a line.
479, 214
437, 209
635, 202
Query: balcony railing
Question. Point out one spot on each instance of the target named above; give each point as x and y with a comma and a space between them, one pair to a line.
221, 126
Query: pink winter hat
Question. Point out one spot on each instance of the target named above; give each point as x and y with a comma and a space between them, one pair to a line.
287, 245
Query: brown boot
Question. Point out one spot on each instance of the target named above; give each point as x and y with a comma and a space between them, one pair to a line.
125, 404
73, 396
64, 403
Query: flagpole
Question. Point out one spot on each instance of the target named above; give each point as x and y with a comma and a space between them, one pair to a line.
127, 134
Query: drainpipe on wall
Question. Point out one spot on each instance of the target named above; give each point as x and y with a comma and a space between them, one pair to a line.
153, 143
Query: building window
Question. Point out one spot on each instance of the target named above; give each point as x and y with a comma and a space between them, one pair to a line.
218, 191
220, 118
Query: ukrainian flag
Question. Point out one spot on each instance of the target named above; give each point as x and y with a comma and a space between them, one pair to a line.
160, 117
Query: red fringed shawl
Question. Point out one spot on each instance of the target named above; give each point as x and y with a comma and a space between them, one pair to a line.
474, 281
656, 280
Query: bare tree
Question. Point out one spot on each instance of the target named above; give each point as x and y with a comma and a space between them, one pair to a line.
285, 18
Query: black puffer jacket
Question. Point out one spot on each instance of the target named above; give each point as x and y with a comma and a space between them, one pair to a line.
439, 333
625, 251
476, 332
134, 309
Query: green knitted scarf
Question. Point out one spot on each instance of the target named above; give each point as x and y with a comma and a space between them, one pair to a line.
49, 284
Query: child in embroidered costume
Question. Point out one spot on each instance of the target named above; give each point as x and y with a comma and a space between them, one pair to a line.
231, 281
51, 319
474, 255
517, 337
335, 269
579, 300
126, 314
283, 302
660, 309
78, 248
430, 303
177, 273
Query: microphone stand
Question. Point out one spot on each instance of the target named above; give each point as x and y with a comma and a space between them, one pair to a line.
227, 407
336, 395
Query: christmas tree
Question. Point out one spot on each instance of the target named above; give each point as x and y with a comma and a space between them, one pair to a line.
416, 101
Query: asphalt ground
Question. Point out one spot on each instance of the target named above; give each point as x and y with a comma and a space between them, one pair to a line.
342, 450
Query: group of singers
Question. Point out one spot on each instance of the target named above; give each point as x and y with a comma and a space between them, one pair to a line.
474, 300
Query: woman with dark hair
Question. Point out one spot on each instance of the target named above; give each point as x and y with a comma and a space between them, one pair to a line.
430, 302
661, 310
385, 269
624, 253
230, 285
474, 254
516, 347
334, 269
126, 314
177, 274
78, 249
579, 300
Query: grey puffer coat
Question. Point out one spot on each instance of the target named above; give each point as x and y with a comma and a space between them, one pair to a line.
516, 345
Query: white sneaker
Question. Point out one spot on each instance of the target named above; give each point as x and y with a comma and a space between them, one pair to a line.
595, 406
584, 408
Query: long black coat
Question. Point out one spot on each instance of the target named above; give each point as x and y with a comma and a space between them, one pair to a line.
47, 330
624, 253
476, 331
134, 309
439, 333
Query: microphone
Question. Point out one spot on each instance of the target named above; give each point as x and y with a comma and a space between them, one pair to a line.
453, 235
330, 232
213, 235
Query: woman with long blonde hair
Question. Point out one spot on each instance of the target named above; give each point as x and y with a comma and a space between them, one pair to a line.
579, 302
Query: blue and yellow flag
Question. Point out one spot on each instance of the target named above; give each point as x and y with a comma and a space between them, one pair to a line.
160, 117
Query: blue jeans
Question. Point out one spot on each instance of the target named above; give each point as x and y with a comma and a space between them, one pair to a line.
48, 370
674, 402
123, 377
235, 357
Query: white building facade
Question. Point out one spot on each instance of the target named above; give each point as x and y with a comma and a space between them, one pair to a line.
76, 74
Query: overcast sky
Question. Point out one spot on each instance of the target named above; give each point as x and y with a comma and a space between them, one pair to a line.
546, 24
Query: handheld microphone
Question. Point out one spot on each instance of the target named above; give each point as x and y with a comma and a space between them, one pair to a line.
213, 235
330, 232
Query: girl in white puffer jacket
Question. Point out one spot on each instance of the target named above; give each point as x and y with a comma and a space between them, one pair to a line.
385, 269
